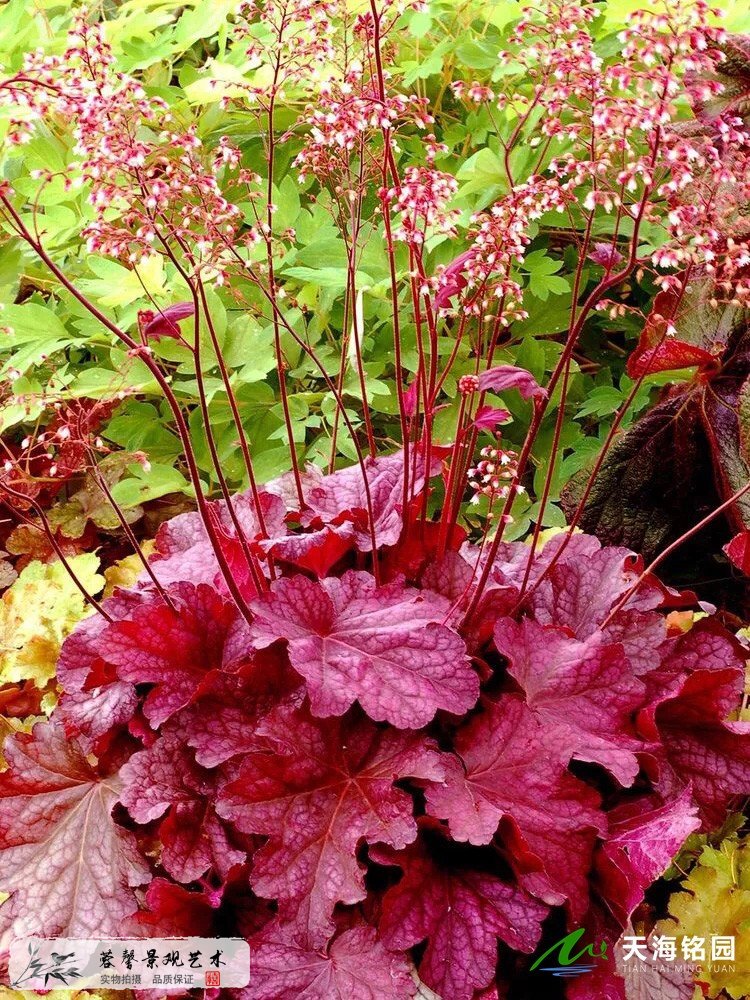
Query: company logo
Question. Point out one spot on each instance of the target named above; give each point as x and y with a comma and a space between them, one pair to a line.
571, 962
127, 964
655, 950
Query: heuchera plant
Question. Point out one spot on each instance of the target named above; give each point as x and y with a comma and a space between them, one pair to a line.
328, 718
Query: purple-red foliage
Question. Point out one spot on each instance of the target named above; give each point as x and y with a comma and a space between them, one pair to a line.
364, 779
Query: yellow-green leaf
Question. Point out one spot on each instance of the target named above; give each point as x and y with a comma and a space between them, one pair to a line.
36, 614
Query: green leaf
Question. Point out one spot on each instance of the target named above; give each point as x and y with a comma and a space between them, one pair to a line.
115, 285
137, 426
542, 271
483, 171
30, 322
328, 277
545, 318
478, 53
420, 23
286, 199
142, 485
203, 21
601, 402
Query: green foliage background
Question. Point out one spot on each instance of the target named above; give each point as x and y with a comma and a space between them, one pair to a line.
184, 54
52, 348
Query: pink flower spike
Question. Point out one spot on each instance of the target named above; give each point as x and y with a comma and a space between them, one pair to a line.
509, 377
164, 324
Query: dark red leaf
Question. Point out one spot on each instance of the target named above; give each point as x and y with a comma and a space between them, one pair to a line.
184, 550
583, 692
644, 836
738, 551
508, 765
223, 721
322, 790
354, 965
701, 747
172, 911
461, 913
166, 778
171, 650
341, 499
381, 646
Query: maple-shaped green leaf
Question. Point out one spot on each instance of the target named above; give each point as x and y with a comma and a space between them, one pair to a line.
543, 278
36, 614
115, 285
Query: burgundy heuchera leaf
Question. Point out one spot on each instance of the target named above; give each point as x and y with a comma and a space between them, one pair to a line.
508, 766
184, 551
354, 965
172, 650
699, 746
644, 836
341, 498
460, 913
89, 712
669, 355
172, 911
583, 692
222, 723
325, 787
166, 778
381, 646
69, 868
581, 590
